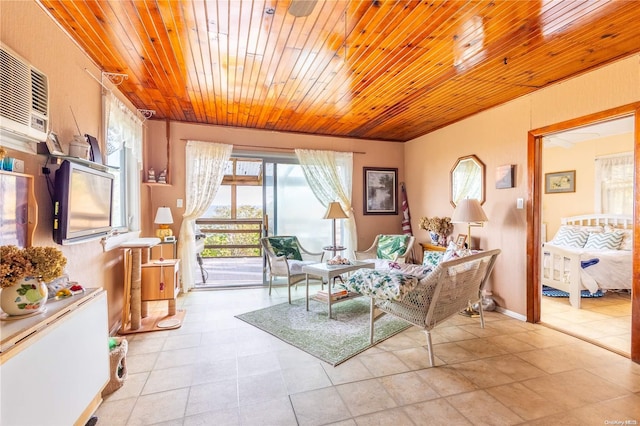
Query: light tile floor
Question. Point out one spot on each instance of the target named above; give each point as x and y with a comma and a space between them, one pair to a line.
605, 321
218, 370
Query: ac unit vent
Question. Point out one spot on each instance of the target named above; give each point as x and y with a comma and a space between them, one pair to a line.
24, 100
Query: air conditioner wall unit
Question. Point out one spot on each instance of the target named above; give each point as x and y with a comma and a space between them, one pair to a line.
24, 101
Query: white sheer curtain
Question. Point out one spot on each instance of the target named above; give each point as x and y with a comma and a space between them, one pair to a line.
614, 184
124, 128
124, 131
330, 177
205, 164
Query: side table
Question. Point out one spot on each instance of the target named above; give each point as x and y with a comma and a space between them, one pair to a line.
160, 281
329, 272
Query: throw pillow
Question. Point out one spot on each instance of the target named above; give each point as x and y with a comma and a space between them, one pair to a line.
604, 241
432, 258
627, 237
285, 246
570, 237
391, 246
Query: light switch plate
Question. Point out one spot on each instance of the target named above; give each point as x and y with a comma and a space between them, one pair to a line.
520, 203
179, 203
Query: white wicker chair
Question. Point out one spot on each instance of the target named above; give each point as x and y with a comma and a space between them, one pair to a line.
282, 266
372, 252
446, 291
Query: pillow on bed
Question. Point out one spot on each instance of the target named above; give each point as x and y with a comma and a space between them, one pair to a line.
570, 237
604, 241
627, 237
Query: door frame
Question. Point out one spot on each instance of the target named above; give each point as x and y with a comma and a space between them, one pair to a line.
534, 213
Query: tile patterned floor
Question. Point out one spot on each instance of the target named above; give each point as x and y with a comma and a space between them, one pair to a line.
217, 370
603, 320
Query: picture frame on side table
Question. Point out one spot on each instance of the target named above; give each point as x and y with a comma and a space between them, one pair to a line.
53, 144
380, 190
461, 240
559, 182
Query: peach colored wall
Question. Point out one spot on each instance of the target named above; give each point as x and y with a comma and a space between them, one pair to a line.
581, 158
28, 30
376, 154
499, 136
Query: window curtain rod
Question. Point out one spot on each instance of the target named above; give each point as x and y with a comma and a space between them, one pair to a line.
274, 148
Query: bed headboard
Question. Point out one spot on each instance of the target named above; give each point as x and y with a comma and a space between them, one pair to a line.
613, 220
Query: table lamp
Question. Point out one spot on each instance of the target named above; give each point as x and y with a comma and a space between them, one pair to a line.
469, 211
334, 211
164, 219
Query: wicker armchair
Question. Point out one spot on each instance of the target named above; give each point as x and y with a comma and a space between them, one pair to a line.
390, 247
450, 288
286, 257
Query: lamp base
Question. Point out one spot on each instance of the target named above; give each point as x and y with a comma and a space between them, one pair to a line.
163, 232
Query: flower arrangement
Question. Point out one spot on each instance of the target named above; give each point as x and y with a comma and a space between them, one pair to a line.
44, 262
441, 226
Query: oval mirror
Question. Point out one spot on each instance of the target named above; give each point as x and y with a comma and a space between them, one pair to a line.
467, 179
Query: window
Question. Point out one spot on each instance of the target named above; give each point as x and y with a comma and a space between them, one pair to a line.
124, 148
614, 184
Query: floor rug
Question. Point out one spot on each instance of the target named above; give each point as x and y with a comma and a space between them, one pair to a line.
331, 340
552, 292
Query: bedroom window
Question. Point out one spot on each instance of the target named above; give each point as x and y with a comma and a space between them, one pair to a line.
614, 184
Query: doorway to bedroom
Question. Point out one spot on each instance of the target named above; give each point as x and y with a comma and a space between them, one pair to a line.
597, 163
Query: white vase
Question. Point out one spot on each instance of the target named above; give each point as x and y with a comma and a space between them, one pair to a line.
27, 296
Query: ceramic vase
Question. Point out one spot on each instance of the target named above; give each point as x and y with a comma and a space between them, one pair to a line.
27, 296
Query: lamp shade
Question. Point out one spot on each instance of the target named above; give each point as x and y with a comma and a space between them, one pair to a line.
468, 210
334, 211
163, 216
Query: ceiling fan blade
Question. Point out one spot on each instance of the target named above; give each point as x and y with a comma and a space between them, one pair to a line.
300, 8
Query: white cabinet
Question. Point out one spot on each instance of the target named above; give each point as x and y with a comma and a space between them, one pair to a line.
53, 366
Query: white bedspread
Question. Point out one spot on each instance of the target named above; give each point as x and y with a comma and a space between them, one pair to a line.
613, 270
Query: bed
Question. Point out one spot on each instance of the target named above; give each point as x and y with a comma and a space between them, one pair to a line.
589, 252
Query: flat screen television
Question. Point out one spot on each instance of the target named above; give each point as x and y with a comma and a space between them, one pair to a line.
82, 205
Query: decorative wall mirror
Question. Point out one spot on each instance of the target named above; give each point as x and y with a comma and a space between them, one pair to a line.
467, 179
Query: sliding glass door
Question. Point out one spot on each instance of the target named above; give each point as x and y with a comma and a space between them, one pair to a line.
291, 208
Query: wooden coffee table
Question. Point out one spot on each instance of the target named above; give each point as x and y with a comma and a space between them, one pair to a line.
329, 272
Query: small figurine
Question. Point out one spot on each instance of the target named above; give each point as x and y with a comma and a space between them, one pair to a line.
151, 175
162, 178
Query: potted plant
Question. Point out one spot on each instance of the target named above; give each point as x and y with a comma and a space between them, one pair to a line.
438, 227
23, 273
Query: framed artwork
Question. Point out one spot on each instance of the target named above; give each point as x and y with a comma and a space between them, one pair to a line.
53, 144
560, 182
380, 190
505, 176
461, 240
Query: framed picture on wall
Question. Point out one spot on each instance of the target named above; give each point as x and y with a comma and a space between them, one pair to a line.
560, 182
380, 190
505, 176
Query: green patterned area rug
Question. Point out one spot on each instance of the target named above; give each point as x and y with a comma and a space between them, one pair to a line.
332, 340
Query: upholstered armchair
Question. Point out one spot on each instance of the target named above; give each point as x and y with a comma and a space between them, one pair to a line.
388, 247
286, 257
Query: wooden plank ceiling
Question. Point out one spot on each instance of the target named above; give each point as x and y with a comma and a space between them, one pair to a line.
383, 70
